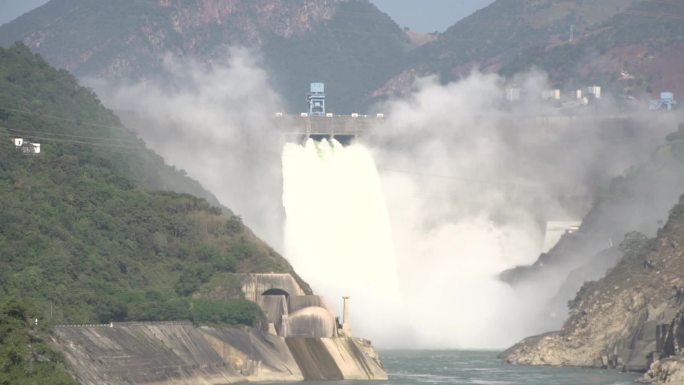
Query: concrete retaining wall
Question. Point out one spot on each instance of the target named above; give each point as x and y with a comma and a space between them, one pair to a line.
180, 353
174, 354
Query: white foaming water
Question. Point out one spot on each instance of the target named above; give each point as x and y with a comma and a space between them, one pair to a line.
337, 232
439, 289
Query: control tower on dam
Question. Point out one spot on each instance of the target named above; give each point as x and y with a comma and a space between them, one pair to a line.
318, 124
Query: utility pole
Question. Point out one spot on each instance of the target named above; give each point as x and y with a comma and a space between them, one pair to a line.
346, 327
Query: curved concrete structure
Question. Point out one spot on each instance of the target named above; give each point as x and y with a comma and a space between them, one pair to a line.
296, 303
310, 322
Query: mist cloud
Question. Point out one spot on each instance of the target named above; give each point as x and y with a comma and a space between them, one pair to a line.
470, 179
213, 120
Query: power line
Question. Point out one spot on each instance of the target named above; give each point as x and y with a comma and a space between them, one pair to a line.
69, 136
74, 141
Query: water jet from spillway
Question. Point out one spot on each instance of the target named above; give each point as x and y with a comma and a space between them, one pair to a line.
337, 232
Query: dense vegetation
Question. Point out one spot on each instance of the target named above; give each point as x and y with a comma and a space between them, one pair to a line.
25, 357
88, 229
84, 228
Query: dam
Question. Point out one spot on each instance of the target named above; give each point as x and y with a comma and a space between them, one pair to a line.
346, 128
343, 128
318, 123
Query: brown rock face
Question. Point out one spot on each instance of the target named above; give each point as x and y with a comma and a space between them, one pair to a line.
666, 371
181, 27
282, 18
626, 319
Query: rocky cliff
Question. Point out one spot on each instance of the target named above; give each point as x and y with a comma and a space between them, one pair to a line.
622, 320
669, 368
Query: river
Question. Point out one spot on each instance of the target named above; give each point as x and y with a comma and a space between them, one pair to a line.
447, 367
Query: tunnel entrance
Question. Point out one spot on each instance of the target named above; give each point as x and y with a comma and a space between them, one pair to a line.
276, 291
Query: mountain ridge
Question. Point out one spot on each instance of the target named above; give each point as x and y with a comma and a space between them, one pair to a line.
301, 40
577, 43
629, 47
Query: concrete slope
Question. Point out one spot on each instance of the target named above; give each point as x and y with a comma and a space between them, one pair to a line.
174, 353
336, 358
314, 359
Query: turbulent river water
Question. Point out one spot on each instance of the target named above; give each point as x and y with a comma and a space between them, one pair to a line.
482, 368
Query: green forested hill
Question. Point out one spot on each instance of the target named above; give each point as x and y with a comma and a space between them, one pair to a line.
87, 232
91, 232
43, 103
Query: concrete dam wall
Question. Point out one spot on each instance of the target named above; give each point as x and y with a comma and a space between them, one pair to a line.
180, 353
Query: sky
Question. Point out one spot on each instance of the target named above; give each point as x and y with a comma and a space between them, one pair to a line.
11, 9
418, 15
429, 15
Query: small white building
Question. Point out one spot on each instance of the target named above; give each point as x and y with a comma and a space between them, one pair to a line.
551, 94
595, 91
555, 230
513, 94
25, 146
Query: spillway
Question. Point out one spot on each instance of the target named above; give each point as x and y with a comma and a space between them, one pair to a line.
337, 231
